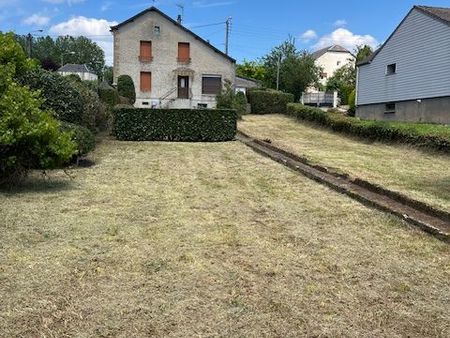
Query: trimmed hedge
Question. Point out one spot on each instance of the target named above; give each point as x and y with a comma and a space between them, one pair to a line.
137, 124
81, 136
418, 134
108, 94
269, 101
125, 88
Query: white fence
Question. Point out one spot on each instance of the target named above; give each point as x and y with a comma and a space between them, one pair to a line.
319, 99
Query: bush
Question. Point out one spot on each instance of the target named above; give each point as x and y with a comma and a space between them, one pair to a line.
419, 134
229, 99
352, 103
132, 124
61, 96
269, 101
125, 87
81, 136
108, 94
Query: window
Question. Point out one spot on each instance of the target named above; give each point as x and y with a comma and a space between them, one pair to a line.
184, 54
146, 82
339, 63
390, 108
323, 76
202, 105
391, 69
157, 30
145, 103
146, 51
211, 84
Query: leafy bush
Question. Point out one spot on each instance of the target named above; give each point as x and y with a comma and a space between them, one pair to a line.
108, 94
61, 96
81, 136
132, 124
229, 99
352, 103
125, 87
269, 101
419, 134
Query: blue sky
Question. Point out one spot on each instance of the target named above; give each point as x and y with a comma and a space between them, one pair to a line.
257, 26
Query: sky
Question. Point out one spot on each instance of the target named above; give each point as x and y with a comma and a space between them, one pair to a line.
257, 25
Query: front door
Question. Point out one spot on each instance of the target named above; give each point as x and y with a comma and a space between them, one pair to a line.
183, 87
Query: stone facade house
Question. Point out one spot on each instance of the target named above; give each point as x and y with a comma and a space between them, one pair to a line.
408, 77
331, 59
171, 66
82, 71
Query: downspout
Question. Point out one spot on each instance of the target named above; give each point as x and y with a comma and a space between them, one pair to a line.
357, 83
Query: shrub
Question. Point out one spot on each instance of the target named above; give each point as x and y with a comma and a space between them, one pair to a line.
269, 101
81, 136
61, 96
352, 103
229, 99
419, 134
132, 124
125, 87
108, 94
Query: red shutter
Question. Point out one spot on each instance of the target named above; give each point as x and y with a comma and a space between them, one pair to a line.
146, 51
146, 82
184, 54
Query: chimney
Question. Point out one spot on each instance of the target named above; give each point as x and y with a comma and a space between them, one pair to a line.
179, 20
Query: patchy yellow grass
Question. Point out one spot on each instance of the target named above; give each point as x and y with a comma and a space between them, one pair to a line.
190, 240
421, 175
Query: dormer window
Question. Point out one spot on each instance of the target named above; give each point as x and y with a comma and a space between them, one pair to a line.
391, 69
157, 30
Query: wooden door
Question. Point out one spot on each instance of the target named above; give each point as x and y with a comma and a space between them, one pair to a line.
183, 87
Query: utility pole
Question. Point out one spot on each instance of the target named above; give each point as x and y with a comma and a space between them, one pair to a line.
29, 42
227, 34
278, 72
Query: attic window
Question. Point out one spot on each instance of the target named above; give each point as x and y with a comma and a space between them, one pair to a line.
391, 69
157, 30
339, 63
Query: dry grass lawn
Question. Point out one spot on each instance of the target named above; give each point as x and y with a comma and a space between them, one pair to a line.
201, 240
419, 174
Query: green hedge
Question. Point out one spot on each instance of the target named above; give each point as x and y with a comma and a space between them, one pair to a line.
269, 101
134, 124
418, 134
81, 136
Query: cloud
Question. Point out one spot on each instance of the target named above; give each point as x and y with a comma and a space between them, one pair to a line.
95, 29
105, 6
340, 23
36, 20
345, 38
205, 4
308, 36
59, 2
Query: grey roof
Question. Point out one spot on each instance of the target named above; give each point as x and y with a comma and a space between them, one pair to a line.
334, 48
75, 68
438, 13
156, 10
246, 82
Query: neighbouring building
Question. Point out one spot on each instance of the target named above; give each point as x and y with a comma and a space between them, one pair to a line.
244, 83
331, 59
408, 77
171, 66
82, 71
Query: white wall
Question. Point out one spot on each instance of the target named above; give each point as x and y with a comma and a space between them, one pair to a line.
165, 50
83, 76
421, 50
332, 61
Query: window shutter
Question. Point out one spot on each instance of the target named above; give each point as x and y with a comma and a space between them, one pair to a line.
183, 52
146, 51
146, 81
211, 85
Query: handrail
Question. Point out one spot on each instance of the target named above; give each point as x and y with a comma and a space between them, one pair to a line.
170, 92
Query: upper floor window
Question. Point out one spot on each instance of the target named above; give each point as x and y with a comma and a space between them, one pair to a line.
157, 30
338, 63
184, 53
391, 69
145, 54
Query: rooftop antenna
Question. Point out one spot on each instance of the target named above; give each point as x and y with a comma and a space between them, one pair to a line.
181, 15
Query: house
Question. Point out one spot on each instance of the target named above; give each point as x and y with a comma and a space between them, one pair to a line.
171, 66
408, 77
82, 71
331, 59
244, 83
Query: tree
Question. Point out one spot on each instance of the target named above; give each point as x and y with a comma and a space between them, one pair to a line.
229, 99
297, 69
363, 52
251, 69
125, 87
108, 75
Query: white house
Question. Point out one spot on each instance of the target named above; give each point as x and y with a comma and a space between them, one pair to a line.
331, 59
82, 71
171, 66
408, 77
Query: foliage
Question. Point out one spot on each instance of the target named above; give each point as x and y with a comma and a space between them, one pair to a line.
108, 75
363, 52
212, 125
343, 81
81, 136
229, 99
352, 103
108, 94
251, 69
419, 134
125, 87
12, 56
60, 94
269, 101
298, 70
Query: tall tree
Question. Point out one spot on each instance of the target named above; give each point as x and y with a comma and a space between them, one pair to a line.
251, 69
362, 52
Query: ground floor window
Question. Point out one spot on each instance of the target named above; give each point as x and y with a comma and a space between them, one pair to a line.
146, 82
211, 84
